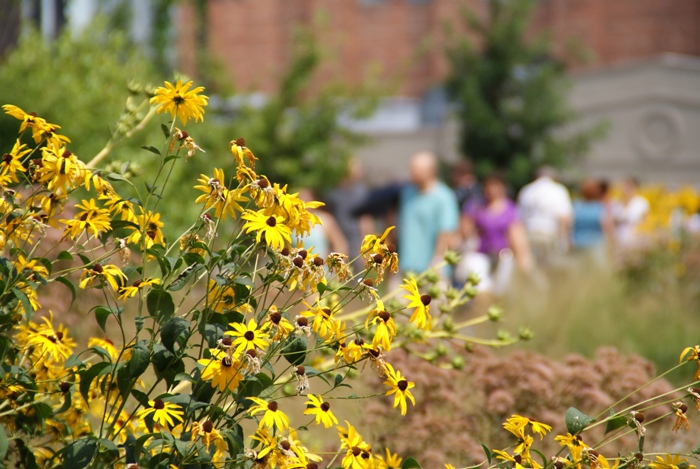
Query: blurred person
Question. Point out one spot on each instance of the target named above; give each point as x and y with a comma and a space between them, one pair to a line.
546, 210
501, 235
342, 202
628, 213
428, 216
326, 237
592, 227
465, 184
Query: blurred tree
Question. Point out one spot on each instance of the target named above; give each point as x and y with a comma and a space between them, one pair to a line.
511, 95
77, 81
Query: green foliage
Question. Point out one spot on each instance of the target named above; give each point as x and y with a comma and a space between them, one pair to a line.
511, 94
81, 81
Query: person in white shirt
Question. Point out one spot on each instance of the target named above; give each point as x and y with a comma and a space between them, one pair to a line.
546, 210
628, 214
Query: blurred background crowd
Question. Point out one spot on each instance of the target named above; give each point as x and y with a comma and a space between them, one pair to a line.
554, 144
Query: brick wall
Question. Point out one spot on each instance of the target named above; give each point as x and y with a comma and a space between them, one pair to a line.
399, 42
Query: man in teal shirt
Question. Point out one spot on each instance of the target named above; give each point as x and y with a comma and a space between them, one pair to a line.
428, 216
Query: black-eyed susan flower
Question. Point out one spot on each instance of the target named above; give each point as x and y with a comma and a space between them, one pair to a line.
670, 461
272, 227
390, 461
574, 443
49, 343
110, 274
385, 326
358, 453
11, 163
222, 370
321, 410
123, 208
277, 324
693, 353
164, 413
217, 196
149, 231
242, 154
108, 346
321, 318
680, 408
61, 171
41, 129
180, 101
400, 387
90, 218
268, 452
136, 287
421, 314
272, 415
247, 337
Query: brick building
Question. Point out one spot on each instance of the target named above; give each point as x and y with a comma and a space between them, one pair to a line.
403, 40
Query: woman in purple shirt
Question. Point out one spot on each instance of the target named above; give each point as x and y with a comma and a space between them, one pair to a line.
497, 224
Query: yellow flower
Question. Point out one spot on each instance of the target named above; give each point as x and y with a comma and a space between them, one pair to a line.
90, 218
220, 298
392, 461
49, 343
223, 371
670, 462
400, 387
358, 452
269, 450
180, 101
323, 320
108, 345
693, 354
275, 321
276, 233
322, 410
386, 327
40, 128
421, 315
247, 337
11, 163
272, 417
136, 287
244, 157
150, 226
164, 413
60, 169
109, 273
216, 195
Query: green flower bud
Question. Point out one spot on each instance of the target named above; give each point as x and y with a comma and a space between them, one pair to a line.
448, 324
457, 362
470, 291
451, 293
525, 333
434, 291
495, 313
431, 276
451, 257
473, 278
441, 349
504, 336
289, 389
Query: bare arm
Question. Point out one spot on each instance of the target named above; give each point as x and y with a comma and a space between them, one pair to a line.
445, 240
335, 235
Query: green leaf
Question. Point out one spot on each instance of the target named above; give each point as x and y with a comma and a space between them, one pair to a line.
4, 443
160, 304
19, 294
295, 350
109, 446
172, 331
614, 422
87, 376
65, 256
171, 157
410, 463
115, 177
487, 452
70, 286
80, 453
576, 420
140, 359
73, 361
542, 456
102, 314
322, 287
165, 129
140, 396
152, 149
66, 405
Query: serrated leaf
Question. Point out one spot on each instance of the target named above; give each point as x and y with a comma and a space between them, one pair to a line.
152, 149
410, 463
576, 420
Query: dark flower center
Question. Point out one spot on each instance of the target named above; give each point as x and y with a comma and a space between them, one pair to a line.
368, 282
226, 341
302, 321
301, 370
284, 444
378, 258
240, 142
272, 406
285, 251
425, 299
183, 135
302, 253
402, 385
64, 387
298, 262
275, 317
356, 451
326, 312
178, 100
391, 248
384, 316
271, 222
97, 268
251, 353
325, 406
7, 158
226, 361
66, 154
262, 183
208, 426
159, 404
312, 465
137, 283
151, 234
249, 335
318, 261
